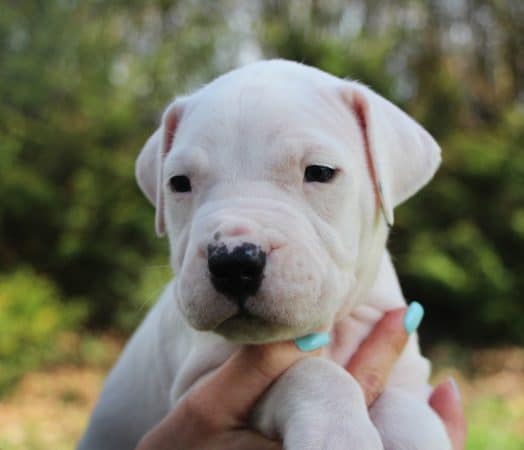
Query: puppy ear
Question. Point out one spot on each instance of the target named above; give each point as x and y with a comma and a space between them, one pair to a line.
150, 161
401, 156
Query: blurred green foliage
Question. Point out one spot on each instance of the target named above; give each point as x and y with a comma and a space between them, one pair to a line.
83, 85
488, 419
31, 319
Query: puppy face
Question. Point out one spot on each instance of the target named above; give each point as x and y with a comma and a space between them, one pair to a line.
272, 199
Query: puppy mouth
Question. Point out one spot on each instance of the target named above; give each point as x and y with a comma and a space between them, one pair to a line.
250, 327
247, 328
242, 315
242, 318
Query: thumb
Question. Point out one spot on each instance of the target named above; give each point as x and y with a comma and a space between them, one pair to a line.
227, 396
445, 401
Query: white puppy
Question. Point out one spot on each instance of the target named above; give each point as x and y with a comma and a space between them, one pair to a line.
275, 185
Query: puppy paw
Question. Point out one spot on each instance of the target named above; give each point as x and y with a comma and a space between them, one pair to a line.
406, 422
331, 432
317, 405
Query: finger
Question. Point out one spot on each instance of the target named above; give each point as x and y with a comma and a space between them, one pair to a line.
445, 401
228, 395
164, 439
377, 354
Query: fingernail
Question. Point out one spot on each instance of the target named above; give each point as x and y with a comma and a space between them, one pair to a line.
413, 317
313, 341
455, 387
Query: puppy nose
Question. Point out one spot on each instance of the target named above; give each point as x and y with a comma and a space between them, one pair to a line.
236, 273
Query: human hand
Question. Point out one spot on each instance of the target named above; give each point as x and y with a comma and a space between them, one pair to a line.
211, 416
214, 414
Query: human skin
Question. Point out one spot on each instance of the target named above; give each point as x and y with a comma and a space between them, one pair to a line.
211, 416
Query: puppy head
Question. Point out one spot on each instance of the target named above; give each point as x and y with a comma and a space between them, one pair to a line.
275, 184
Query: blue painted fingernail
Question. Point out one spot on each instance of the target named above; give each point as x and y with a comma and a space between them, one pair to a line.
413, 317
312, 341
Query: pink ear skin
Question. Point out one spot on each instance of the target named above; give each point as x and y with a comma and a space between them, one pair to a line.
170, 121
151, 160
402, 157
360, 107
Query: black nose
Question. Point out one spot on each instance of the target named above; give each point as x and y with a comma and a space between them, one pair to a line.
236, 273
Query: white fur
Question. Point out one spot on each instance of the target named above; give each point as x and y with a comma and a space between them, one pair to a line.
244, 140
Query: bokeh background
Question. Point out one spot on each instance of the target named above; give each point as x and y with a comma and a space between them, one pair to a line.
82, 86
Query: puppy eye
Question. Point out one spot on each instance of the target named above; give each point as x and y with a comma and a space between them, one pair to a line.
180, 183
319, 174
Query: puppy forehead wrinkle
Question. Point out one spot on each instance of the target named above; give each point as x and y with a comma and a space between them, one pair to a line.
218, 201
321, 141
280, 141
186, 160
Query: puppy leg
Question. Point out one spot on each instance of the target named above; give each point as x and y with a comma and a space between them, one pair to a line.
316, 405
406, 422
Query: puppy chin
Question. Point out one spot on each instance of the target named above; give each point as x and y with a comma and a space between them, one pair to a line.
244, 328
248, 329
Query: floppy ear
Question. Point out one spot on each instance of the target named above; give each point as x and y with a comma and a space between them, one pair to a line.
150, 161
401, 155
